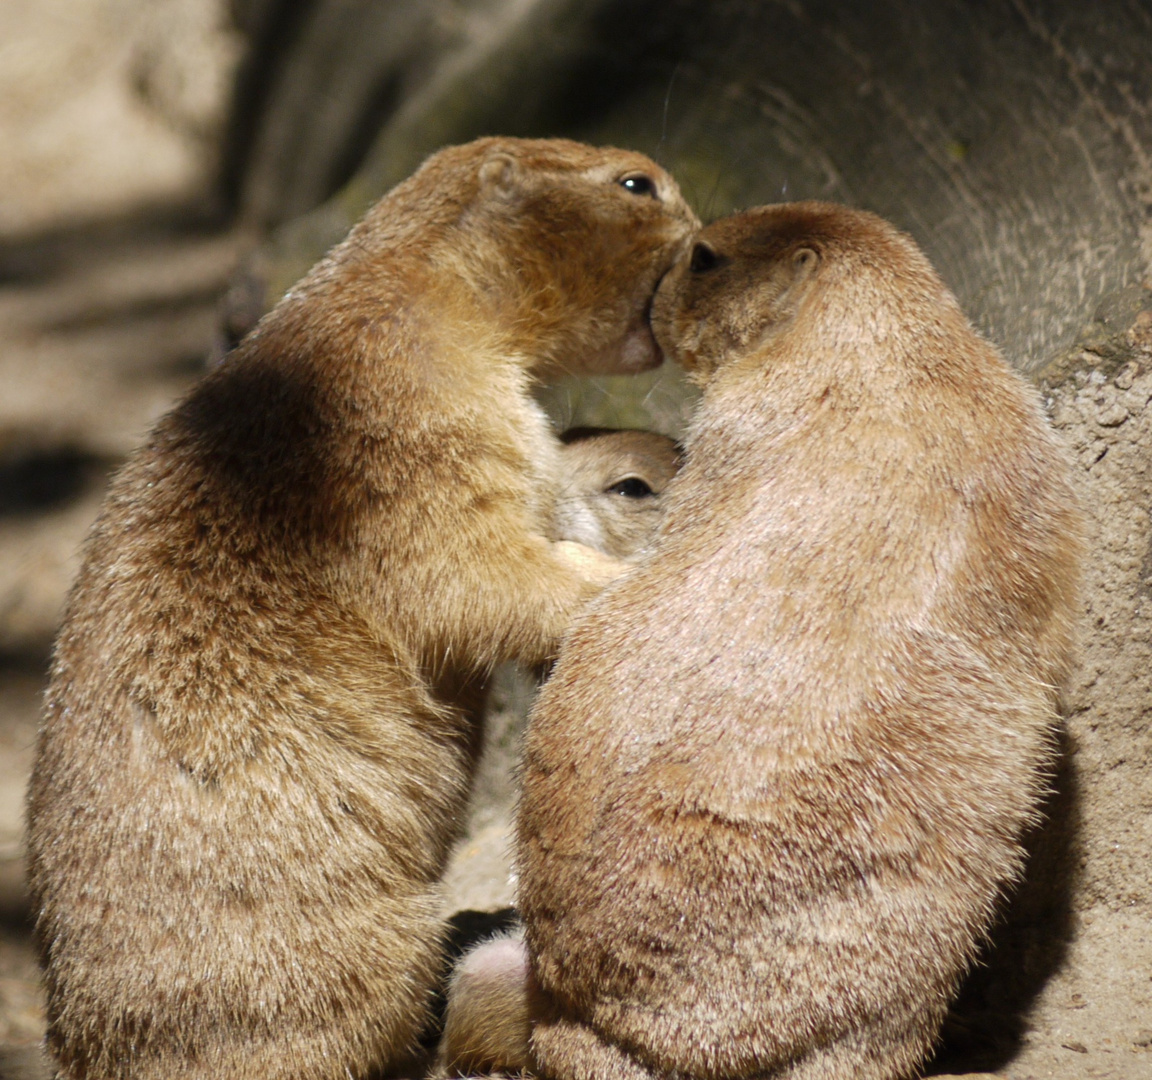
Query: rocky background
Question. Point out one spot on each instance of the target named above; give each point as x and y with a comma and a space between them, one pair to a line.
169, 167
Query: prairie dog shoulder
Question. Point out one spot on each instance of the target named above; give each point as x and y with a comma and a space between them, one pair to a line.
777, 782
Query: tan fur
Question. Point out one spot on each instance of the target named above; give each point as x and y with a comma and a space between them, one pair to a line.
486, 1023
601, 500
257, 739
778, 780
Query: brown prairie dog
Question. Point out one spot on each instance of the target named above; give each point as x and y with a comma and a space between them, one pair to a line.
257, 740
776, 784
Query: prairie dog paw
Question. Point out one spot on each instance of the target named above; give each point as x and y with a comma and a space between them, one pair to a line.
486, 1027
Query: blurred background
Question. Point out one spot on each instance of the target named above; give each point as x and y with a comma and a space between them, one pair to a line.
169, 167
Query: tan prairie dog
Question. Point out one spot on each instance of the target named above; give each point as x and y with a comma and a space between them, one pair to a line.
257, 740
778, 780
608, 494
609, 497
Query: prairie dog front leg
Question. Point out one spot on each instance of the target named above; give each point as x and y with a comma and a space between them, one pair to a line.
592, 565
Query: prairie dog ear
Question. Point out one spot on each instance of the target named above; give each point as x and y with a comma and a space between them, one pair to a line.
500, 175
805, 260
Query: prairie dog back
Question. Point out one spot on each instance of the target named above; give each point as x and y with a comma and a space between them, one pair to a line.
778, 780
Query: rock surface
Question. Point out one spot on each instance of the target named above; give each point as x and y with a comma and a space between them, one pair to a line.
107, 104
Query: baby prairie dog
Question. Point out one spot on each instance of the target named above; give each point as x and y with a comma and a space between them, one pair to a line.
610, 486
609, 495
776, 784
258, 737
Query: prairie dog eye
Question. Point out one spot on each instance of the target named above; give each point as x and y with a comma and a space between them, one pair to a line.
631, 487
639, 184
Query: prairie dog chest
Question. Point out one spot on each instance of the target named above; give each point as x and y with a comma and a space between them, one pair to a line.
545, 466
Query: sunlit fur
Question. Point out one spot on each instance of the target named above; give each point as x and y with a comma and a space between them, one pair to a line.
257, 738
778, 781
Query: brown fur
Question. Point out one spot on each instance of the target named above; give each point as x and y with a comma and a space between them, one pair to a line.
778, 780
609, 490
257, 739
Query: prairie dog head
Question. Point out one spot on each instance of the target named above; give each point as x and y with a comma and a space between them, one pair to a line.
743, 278
573, 241
829, 274
611, 486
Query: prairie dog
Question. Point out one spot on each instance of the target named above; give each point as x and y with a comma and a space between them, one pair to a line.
609, 489
609, 497
776, 784
257, 739
487, 1025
